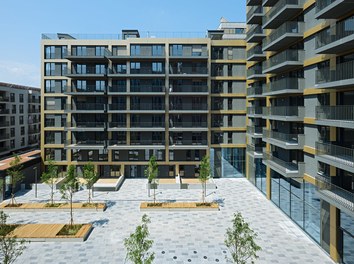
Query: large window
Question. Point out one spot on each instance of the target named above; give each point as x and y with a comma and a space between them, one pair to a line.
157, 67
135, 50
157, 50
177, 50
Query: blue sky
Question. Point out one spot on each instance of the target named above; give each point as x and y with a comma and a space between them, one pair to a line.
23, 21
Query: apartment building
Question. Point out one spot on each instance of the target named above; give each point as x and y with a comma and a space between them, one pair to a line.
300, 100
116, 100
19, 118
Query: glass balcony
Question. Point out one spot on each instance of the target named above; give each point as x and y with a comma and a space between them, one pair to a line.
88, 72
253, 2
4, 123
89, 53
147, 142
147, 89
336, 40
89, 89
255, 91
333, 9
117, 89
287, 85
188, 70
4, 111
254, 111
269, 2
4, 136
282, 11
255, 72
284, 61
285, 168
85, 143
254, 131
86, 126
147, 70
254, 15
334, 155
284, 113
254, 151
188, 89
340, 77
188, 107
147, 106
117, 107
255, 34
185, 124
339, 115
334, 194
284, 140
4, 149
114, 142
287, 33
147, 124
84, 107
256, 54
189, 142
115, 125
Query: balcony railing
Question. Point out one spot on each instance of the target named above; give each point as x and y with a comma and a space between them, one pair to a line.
117, 106
89, 71
85, 142
147, 124
254, 10
255, 90
335, 193
86, 107
339, 112
4, 124
147, 106
254, 130
3, 149
188, 124
4, 99
273, 12
286, 111
343, 71
188, 106
4, 111
189, 142
252, 148
89, 52
290, 166
117, 89
188, 70
286, 84
147, 89
146, 70
113, 142
255, 29
256, 50
254, 110
335, 153
285, 56
188, 89
53, 123
147, 142
87, 89
87, 124
116, 124
255, 70
322, 4
288, 138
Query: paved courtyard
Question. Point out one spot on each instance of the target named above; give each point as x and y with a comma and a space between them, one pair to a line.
180, 237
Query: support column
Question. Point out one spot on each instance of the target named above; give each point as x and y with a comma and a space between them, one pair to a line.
334, 234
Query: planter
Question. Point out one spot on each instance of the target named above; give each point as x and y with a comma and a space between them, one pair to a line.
32, 207
179, 206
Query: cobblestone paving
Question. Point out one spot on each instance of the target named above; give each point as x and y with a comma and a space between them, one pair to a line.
180, 237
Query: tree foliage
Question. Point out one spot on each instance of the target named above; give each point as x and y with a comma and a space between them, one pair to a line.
204, 174
151, 173
90, 175
69, 187
240, 240
16, 175
138, 244
50, 177
10, 247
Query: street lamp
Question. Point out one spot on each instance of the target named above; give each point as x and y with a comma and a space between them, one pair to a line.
35, 181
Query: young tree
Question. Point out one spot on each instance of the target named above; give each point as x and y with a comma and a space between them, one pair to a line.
10, 247
49, 177
204, 175
90, 175
240, 240
151, 173
138, 244
16, 175
69, 188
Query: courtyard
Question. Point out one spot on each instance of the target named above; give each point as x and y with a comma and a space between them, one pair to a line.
179, 236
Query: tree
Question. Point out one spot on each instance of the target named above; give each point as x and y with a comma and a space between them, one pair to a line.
138, 244
90, 175
240, 240
50, 177
151, 173
204, 175
69, 188
10, 247
16, 175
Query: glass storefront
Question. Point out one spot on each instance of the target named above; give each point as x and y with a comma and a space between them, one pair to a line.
347, 228
260, 174
228, 162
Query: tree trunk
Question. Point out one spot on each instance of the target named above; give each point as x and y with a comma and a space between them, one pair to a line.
71, 210
89, 199
203, 193
52, 194
154, 193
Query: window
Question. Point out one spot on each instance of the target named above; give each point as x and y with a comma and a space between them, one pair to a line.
12, 143
100, 69
100, 85
21, 98
21, 109
12, 120
12, 97
22, 141
135, 67
229, 137
21, 120
12, 132
81, 85
50, 69
121, 68
157, 50
81, 51
135, 50
100, 51
81, 68
50, 52
177, 50
197, 50
22, 131
157, 67
133, 155
50, 86
14, 109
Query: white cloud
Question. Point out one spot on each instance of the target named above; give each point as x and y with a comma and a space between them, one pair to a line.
20, 73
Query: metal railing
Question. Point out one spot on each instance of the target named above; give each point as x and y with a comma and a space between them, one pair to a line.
87, 89
117, 89
89, 52
322, 4
287, 27
254, 10
4, 99
188, 106
4, 111
88, 70
254, 130
148, 70
255, 70
255, 90
85, 142
147, 142
255, 29
254, 110
147, 124
339, 195
256, 50
117, 106
343, 29
291, 166
188, 124
117, 124
86, 106
147, 106
189, 142
4, 124
86, 124
286, 55
296, 111
289, 138
188, 89
53, 123
336, 153
277, 7
188, 70
112, 142
343, 71
252, 148
338, 112
287, 83
147, 89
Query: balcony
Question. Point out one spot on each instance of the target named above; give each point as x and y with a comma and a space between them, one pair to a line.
285, 168
90, 72
189, 144
255, 152
147, 142
117, 126
335, 195
148, 89
188, 90
116, 89
86, 126
85, 144
337, 116
117, 144
253, 2
149, 126
4, 99
255, 34
280, 12
284, 113
255, 91
256, 54
32, 130
254, 15
283, 140
88, 55
255, 131
86, 107
54, 123
189, 107
338, 39
188, 126
287, 33
287, 85
147, 71
255, 111
117, 107
4, 137
334, 155
4, 124
255, 72
88, 90
340, 77
188, 71
4, 111
284, 61
269, 2
33, 100
147, 107
333, 9
4, 149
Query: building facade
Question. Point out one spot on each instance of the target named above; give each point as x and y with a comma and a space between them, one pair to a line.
300, 100
19, 118
118, 101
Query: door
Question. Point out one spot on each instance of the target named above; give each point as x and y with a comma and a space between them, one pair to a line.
133, 171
